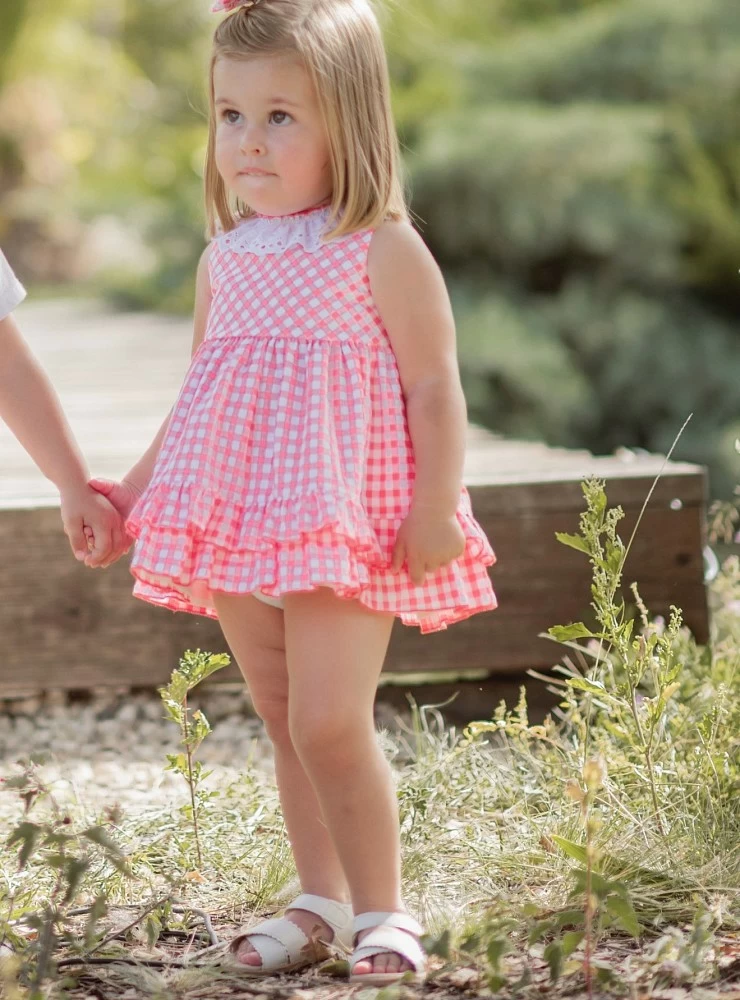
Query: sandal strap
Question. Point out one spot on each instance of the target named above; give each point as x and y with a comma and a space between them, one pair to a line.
337, 915
404, 922
279, 942
276, 941
386, 940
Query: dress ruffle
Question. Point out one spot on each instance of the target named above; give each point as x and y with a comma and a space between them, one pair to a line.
257, 526
193, 543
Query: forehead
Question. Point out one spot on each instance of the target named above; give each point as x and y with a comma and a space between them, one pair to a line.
263, 77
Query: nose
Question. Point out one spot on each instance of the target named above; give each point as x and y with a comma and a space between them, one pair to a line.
252, 140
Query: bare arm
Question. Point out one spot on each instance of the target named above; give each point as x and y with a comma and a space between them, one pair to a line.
31, 409
411, 297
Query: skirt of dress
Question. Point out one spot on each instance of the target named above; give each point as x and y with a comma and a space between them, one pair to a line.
191, 544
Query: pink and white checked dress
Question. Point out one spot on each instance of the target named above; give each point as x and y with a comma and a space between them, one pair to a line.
288, 464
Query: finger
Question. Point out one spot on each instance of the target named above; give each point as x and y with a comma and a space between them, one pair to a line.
77, 540
398, 556
119, 547
116, 537
101, 548
416, 572
104, 486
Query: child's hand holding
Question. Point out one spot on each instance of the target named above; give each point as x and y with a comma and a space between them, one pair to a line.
93, 526
427, 539
121, 497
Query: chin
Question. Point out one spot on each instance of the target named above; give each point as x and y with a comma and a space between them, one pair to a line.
257, 188
261, 207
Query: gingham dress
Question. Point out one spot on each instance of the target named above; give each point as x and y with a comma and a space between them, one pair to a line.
288, 464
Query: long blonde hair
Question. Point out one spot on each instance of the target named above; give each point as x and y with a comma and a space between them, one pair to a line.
340, 44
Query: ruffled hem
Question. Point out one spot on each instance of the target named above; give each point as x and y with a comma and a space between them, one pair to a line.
426, 621
182, 559
258, 526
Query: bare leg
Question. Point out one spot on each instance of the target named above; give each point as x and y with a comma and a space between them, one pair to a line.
335, 651
255, 634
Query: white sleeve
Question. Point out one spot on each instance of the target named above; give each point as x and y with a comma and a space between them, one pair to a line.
12, 292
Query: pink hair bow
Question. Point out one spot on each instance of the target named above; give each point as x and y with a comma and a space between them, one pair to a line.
229, 5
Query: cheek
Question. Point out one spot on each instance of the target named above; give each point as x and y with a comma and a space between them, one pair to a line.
299, 155
322, 156
287, 145
224, 147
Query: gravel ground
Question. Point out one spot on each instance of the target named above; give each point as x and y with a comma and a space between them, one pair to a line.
109, 726
111, 747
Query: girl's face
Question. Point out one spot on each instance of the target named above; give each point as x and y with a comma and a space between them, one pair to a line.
272, 150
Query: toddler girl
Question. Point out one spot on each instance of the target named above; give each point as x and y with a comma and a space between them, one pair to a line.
306, 488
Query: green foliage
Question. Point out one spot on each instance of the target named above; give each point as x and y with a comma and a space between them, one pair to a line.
584, 369
589, 221
195, 666
71, 855
630, 51
662, 713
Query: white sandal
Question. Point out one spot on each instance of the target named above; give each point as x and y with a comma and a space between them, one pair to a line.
282, 945
393, 934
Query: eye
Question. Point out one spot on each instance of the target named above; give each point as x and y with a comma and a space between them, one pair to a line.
230, 116
279, 118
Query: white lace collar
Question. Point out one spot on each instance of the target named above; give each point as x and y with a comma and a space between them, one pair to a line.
263, 235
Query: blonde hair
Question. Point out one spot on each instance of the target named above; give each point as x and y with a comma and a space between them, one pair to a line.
340, 44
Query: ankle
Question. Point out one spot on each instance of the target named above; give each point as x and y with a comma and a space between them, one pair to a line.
336, 895
373, 906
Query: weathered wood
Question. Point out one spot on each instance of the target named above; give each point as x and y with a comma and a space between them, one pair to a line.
65, 627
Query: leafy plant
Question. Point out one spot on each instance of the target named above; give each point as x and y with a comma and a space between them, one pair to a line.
67, 853
195, 666
639, 694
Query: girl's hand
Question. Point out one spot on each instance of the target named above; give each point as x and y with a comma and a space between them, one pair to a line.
122, 496
426, 541
93, 526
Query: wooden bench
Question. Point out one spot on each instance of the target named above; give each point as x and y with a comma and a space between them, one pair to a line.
65, 627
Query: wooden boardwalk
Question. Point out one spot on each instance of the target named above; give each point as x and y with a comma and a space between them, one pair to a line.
118, 374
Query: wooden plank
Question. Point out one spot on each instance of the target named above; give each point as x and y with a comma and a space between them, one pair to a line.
557, 492
66, 627
667, 542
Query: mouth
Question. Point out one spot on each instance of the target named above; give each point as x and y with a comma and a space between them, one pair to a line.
254, 172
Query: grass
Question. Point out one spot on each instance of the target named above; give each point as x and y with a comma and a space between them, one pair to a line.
599, 850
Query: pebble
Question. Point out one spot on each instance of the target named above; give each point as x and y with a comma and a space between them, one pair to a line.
106, 726
111, 744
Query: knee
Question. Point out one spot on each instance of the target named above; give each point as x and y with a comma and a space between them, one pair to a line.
328, 739
274, 714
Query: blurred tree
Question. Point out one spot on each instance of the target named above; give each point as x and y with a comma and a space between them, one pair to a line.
11, 19
583, 197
